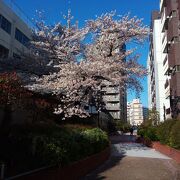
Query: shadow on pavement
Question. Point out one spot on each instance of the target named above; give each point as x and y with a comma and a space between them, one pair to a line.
113, 160
122, 138
96, 174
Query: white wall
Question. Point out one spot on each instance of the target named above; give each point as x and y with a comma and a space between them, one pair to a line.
160, 78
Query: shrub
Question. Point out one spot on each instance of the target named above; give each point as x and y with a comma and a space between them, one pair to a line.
43, 145
123, 126
149, 132
164, 130
174, 140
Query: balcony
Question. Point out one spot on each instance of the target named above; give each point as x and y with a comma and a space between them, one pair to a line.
174, 54
111, 98
165, 45
164, 20
167, 89
111, 92
113, 108
172, 28
171, 6
165, 64
162, 4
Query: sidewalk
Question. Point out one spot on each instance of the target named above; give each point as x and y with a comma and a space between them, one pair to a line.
132, 161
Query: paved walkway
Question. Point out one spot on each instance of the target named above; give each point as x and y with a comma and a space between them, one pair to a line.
132, 161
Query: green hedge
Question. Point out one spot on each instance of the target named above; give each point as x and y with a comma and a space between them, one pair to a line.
167, 133
36, 146
164, 130
148, 133
174, 140
123, 126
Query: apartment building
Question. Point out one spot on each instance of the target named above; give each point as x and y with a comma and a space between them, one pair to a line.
156, 77
115, 100
14, 33
164, 60
135, 112
145, 113
128, 112
170, 21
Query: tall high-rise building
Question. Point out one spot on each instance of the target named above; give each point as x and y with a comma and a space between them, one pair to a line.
14, 33
170, 20
164, 60
156, 77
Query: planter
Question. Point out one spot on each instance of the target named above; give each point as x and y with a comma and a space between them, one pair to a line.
73, 171
169, 151
164, 149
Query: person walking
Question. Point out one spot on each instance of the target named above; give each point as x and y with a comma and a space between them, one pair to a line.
131, 131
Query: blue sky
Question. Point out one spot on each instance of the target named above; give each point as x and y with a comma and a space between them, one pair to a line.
87, 9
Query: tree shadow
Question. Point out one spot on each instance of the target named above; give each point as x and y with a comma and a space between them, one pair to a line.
120, 145
97, 173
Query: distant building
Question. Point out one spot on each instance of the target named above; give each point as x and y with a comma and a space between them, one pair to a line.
128, 112
145, 113
115, 101
14, 33
135, 112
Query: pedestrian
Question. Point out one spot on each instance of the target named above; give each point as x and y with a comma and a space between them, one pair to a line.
131, 131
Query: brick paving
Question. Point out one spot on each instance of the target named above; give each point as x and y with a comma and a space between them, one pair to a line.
132, 161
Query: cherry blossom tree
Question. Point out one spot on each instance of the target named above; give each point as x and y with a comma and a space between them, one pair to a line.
105, 58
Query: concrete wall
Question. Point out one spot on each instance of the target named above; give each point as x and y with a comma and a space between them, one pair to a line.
8, 40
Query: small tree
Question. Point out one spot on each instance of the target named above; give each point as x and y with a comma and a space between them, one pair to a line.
12, 95
81, 68
105, 58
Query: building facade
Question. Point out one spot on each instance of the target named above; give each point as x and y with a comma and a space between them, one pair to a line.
156, 77
170, 20
164, 60
115, 100
135, 112
145, 113
14, 33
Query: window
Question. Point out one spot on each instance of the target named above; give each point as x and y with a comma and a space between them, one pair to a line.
16, 56
19, 36
3, 52
173, 13
177, 68
5, 24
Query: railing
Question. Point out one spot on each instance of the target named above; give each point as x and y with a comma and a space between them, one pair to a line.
166, 84
165, 60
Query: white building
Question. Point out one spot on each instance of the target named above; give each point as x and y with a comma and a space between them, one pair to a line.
128, 112
135, 112
156, 78
14, 33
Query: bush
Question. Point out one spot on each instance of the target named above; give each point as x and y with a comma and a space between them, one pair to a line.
123, 126
164, 130
31, 147
174, 140
149, 132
